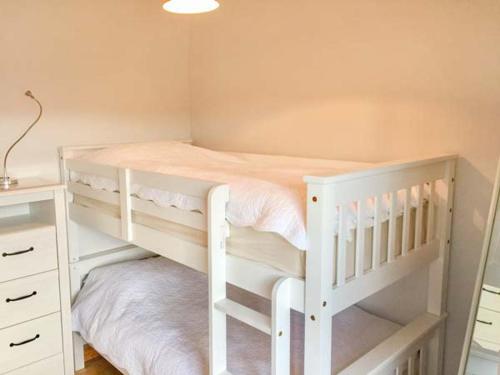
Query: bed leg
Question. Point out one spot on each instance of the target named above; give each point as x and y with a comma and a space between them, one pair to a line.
78, 352
281, 328
318, 280
217, 199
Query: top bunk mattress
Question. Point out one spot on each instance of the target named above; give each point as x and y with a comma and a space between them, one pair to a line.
267, 192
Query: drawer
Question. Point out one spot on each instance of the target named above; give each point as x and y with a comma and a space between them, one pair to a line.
487, 325
29, 298
49, 366
490, 298
27, 252
30, 342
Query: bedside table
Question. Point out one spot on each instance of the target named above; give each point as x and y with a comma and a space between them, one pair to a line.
35, 310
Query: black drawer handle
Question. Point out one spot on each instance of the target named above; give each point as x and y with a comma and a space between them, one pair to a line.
12, 344
491, 291
18, 252
485, 322
21, 298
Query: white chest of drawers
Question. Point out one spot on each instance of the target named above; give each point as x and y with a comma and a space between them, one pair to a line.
35, 311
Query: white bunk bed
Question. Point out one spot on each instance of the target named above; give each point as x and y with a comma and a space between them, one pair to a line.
338, 272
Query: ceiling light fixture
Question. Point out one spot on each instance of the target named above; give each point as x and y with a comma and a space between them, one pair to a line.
190, 6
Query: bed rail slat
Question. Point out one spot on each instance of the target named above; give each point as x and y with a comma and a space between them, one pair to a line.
406, 222
100, 195
430, 212
419, 216
86, 167
360, 238
125, 204
189, 218
377, 231
391, 255
341, 248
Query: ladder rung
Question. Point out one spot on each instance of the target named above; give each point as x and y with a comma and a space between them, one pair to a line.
246, 315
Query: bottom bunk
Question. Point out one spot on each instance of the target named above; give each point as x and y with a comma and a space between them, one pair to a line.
151, 317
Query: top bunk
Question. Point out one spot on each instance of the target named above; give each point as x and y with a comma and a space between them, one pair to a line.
277, 206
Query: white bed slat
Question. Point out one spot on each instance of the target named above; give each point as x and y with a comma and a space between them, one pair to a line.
406, 222
125, 204
364, 187
342, 248
100, 195
391, 256
422, 363
431, 212
419, 216
411, 365
89, 168
173, 184
246, 315
191, 219
360, 238
377, 231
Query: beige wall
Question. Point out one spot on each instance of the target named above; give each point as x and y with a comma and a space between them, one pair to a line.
106, 71
362, 80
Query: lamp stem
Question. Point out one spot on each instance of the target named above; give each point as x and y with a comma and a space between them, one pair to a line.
6, 178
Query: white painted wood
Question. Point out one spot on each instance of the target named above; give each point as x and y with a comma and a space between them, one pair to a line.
217, 200
431, 212
396, 349
438, 270
64, 279
244, 314
422, 361
490, 297
49, 366
321, 206
341, 247
320, 301
100, 195
125, 204
391, 246
419, 216
281, 329
191, 219
47, 344
43, 257
390, 168
374, 281
406, 223
377, 233
360, 239
411, 365
41, 294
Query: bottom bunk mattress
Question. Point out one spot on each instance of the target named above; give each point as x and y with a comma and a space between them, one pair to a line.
150, 317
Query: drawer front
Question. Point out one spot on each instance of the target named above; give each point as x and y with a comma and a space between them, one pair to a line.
487, 325
490, 298
29, 298
30, 342
49, 366
28, 252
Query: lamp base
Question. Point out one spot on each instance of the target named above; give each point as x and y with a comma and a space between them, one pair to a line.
7, 182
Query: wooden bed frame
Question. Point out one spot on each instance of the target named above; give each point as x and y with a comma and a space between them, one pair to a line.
417, 348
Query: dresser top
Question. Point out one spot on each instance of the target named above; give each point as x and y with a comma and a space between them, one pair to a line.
32, 185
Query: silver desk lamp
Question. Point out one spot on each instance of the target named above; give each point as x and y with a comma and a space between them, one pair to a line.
6, 181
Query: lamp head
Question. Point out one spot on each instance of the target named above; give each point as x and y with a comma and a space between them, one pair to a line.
30, 94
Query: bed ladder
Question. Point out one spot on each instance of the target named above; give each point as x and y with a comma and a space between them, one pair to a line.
277, 325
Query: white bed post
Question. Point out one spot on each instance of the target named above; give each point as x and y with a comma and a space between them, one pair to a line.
319, 279
280, 334
217, 199
438, 274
